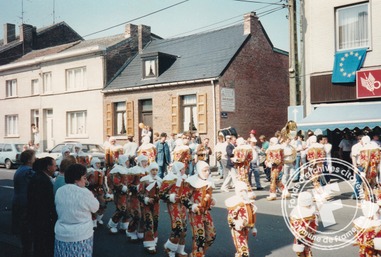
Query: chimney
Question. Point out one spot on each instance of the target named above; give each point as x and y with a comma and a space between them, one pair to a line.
27, 33
131, 30
144, 36
9, 33
249, 20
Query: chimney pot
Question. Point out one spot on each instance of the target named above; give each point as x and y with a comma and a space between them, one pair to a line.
131, 30
248, 23
9, 33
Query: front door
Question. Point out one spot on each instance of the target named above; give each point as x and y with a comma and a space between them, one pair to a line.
49, 135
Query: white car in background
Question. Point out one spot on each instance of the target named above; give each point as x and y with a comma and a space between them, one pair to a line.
10, 154
92, 150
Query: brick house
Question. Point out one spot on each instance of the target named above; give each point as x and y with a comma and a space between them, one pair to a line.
202, 82
57, 84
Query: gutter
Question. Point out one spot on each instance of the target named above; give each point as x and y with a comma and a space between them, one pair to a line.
179, 83
53, 57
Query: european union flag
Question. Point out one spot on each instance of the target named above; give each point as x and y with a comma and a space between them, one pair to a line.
346, 64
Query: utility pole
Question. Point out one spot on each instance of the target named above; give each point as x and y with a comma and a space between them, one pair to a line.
294, 80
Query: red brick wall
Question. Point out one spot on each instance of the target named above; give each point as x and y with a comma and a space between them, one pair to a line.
260, 78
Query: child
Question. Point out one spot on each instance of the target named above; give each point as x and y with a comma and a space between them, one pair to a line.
170, 191
118, 184
304, 223
149, 195
135, 229
241, 218
197, 197
368, 228
95, 177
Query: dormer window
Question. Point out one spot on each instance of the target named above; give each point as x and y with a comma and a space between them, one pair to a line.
155, 64
150, 68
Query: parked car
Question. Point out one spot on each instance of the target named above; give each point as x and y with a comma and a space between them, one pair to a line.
10, 154
92, 150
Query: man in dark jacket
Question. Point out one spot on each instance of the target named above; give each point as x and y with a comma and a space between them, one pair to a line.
41, 209
232, 175
21, 180
163, 156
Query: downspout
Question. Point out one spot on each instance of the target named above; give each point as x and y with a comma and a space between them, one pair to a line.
214, 118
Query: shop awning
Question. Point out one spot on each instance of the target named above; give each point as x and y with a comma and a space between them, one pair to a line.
341, 116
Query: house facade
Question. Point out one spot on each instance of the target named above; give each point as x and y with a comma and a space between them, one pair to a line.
202, 83
58, 87
338, 34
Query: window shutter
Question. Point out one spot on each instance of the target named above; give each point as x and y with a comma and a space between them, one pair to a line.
201, 113
130, 118
175, 109
109, 119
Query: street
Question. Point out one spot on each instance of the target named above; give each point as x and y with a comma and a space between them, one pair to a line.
273, 239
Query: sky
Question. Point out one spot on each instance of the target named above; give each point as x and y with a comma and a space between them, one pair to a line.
189, 17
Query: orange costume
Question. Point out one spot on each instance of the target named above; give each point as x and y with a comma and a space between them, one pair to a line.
148, 150
149, 196
274, 160
243, 154
170, 191
135, 229
197, 197
304, 224
182, 153
368, 231
241, 218
370, 162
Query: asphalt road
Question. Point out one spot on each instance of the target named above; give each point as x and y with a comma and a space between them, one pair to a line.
273, 239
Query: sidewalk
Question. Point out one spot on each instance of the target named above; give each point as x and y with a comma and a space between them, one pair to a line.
9, 244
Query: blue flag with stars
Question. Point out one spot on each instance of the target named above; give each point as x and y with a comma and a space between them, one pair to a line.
346, 64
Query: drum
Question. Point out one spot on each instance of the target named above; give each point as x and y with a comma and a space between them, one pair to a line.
289, 154
228, 132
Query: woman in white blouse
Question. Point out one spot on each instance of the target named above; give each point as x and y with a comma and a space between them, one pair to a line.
74, 205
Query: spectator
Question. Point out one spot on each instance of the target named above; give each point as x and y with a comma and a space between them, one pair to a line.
60, 179
74, 205
220, 151
163, 156
232, 175
345, 147
41, 209
254, 165
252, 135
262, 156
21, 179
130, 148
204, 151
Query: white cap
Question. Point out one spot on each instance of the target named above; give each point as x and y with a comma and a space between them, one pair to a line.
273, 141
305, 199
122, 160
176, 167
240, 141
312, 139
239, 186
153, 165
94, 162
365, 140
200, 165
142, 158
65, 149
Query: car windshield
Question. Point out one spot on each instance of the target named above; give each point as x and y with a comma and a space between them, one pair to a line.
58, 148
19, 147
92, 148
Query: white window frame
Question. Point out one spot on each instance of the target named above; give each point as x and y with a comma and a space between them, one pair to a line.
75, 127
147, 64
189, 109
35, 87
76, 78
120, 116
12, 125
47, 82
353, 33
11, 88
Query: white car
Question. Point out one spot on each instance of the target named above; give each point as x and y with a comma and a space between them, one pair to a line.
10, 154
92, 150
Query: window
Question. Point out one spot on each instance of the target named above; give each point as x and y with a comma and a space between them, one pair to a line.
76, 123
11, 87
47, 82
35, 87
76, 78
120, 118
189, 112
352, 27
11, 125
150, 68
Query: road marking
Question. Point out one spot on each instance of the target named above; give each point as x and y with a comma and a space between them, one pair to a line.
7, 187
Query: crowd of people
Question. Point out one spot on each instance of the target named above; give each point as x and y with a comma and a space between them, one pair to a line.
56, 212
